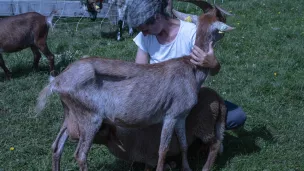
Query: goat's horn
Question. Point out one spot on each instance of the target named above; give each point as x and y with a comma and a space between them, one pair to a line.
205, 6
186, 17
223, 11
221, 26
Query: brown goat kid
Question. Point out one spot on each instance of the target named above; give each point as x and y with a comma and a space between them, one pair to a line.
206, 123
94, 91
22, 31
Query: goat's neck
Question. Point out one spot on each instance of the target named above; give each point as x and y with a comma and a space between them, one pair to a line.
203, 30
199, 73
203, 38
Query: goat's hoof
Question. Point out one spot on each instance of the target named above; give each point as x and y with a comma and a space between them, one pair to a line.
171, 165
54, 73
119, 38
36, 69
186, 169
8, 76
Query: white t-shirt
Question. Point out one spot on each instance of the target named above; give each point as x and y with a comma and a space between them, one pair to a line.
180, 46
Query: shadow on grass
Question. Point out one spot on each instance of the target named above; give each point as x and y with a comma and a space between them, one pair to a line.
109, 35
119, 165
22, 70
240, 142
243, 142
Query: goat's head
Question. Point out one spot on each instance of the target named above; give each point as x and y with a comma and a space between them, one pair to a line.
93, 7
210, 25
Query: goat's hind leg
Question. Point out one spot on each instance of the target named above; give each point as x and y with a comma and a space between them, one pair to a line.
119, 32
57, 147
37, 56
87, 134
180, 130
42, 45
121, 11
8, 74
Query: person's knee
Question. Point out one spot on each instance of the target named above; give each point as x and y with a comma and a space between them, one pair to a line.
236, 117
239, 116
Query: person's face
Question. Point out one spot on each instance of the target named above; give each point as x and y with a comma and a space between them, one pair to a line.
151, 28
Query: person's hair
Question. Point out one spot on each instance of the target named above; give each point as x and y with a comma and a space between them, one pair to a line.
162, 11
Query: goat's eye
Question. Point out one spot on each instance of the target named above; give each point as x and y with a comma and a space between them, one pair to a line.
217, 35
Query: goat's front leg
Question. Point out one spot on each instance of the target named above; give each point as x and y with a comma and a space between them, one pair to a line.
42, 45
37, 56
180, 129
166, 135
131, 32
8, 74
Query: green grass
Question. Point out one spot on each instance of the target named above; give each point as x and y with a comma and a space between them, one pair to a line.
268, 39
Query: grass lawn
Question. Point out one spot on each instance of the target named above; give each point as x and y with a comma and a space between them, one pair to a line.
262, 71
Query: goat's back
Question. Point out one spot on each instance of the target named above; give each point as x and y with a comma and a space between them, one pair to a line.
19, 31
143, 93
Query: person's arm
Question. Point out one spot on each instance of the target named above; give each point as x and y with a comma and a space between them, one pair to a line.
205, 59
142, 57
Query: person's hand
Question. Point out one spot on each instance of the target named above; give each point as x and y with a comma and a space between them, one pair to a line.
207, 60
203, 59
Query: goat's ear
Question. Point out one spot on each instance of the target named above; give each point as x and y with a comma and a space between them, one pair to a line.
186, 17
221, 26
205, 6
223, 11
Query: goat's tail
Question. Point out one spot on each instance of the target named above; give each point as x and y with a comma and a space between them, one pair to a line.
49, 18
42, 98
